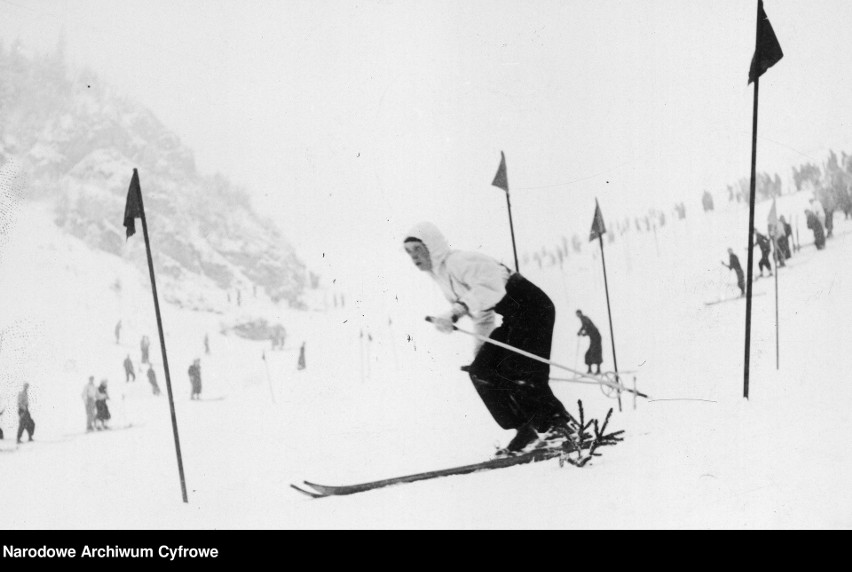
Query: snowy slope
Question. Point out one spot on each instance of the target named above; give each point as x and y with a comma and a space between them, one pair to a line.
697, 455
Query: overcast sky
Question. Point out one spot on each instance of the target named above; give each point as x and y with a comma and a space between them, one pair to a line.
350, 121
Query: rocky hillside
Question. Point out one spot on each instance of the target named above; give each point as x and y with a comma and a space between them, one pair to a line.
73, 141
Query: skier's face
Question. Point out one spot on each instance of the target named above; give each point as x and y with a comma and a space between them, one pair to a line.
419, 255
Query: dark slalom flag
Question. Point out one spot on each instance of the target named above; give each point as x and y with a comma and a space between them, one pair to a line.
133, 209
500, 179
598, 228
768, 50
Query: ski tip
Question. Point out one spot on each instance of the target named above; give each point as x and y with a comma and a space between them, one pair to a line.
308, 493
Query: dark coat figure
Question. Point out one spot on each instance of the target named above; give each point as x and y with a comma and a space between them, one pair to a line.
594, 355
195, 379
734, 265
144, 345
514, 388
816, 226
25, 420
765, 248
102, 414
128, 369
301, 364
788, 236
152, 379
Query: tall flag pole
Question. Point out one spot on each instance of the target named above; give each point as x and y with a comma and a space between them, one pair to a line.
772, 223
767, 52
501, 181
134, 209
598, 230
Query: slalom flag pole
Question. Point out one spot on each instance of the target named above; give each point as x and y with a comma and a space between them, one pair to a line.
598, 230
501, 181
134, 209
767, 52
773, 229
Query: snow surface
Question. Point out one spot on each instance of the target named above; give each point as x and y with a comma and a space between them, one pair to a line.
697, 455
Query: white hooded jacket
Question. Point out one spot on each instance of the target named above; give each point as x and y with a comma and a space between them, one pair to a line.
474, 280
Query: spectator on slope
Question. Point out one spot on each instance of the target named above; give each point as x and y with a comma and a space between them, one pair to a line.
90, 396
195, 379
784, 233
145, 344
152, 379
25, 420
594, 355
765, 246
816, 226
102, 414
128, 369
734, 264
117, 331
514, 388
207, 344
301, 365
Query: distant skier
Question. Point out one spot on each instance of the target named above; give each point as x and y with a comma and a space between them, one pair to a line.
195, 379
765, 246
128, 369
152, 379
117, 332
102, 414
734, 264
514, 388
145, 344
2, 409
25, 420
301, 365
594, 355
815, 225
90, 395
206, 344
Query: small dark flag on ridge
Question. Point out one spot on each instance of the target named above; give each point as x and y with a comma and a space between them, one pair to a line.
500, 179
133, 207
768, 50
598, 228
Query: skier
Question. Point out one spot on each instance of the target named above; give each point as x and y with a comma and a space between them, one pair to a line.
152, 379
734, 264
195, 379
815, 225
594, 355
763, 242
117, 331
301, 365
25, 420
514, 388
206, 344
144, 345
90, 395
2, 409
128, 369
102, 414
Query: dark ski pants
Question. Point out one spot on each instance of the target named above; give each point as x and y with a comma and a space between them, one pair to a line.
25, 423
764, 262
515, 388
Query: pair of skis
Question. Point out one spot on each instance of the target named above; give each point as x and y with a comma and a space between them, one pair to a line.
577, 451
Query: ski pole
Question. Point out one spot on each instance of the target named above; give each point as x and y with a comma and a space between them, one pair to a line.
579, 374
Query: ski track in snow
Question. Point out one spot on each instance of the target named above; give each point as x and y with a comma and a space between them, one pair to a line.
698, 456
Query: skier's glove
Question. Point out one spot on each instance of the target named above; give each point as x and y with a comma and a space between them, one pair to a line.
445, 322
